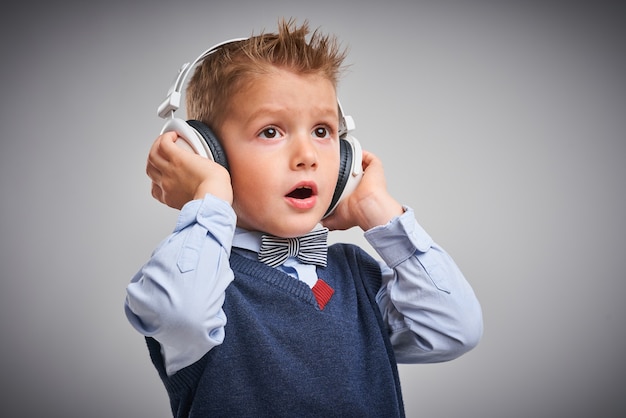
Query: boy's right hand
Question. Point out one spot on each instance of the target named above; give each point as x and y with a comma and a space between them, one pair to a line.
179, 176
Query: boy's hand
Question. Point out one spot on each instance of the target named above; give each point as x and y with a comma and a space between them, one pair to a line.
179, 176
370, 204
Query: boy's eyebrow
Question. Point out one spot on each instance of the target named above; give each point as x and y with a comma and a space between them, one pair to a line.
324, 112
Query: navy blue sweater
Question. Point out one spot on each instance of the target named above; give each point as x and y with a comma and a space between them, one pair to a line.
283, 356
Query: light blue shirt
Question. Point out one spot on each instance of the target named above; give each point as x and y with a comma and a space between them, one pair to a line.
431, 310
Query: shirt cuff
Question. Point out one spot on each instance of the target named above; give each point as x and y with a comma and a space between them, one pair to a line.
399, 239
208, 212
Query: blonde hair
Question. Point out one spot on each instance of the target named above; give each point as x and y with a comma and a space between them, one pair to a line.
229, 68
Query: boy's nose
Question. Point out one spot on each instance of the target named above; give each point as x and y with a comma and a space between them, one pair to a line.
304, 154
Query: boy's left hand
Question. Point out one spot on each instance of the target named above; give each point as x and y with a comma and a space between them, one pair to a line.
370, 204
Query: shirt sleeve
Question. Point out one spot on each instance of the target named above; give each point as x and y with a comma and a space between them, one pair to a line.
177, 296
431, 310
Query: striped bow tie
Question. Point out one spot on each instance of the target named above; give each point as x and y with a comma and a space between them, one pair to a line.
310, 248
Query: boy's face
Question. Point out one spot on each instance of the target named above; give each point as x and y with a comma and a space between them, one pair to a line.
280, 136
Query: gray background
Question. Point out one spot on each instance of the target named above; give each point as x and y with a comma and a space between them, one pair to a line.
501, 123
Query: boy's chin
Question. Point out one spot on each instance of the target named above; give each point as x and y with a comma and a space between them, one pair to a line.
295, 227
286, 224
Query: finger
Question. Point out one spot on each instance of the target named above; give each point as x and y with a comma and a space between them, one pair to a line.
167, 145
153, 152
158, 156
160, 149
328, 223
340, 219
157, 192
153, 173
334, 224
368, 158
156, 144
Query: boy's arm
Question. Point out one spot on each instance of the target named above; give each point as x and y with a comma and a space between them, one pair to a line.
177, 296
432, 311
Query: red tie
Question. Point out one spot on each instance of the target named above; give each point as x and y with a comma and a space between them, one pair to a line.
322, 292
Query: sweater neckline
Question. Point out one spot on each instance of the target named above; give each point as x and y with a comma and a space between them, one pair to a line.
274, 277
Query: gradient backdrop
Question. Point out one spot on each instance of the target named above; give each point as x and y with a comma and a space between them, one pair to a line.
501, 122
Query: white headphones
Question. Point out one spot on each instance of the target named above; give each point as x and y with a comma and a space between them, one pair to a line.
200, 139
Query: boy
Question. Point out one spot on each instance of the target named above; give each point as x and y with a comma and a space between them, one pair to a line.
233, 336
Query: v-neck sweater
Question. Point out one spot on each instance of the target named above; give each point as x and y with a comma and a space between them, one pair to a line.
284, 355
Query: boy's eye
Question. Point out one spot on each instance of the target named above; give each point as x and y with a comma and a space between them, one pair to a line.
269, 133
321, 132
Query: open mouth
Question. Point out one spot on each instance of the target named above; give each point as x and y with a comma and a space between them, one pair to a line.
301, 193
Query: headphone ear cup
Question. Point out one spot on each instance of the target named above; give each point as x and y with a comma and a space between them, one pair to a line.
350, 171
345, 161
217, 152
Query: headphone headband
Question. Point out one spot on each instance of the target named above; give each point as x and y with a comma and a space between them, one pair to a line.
172, 102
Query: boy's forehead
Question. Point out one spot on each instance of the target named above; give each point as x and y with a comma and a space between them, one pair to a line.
279, 89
